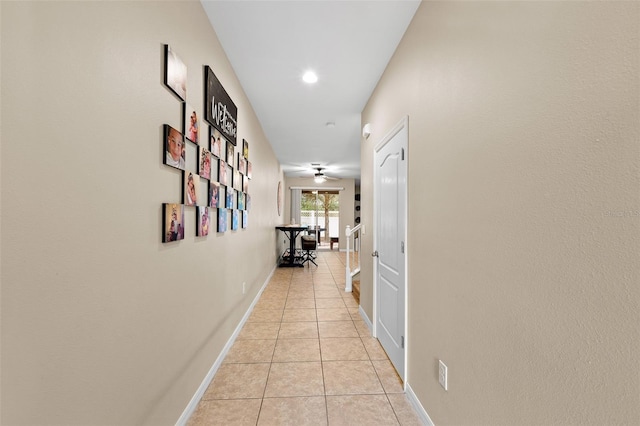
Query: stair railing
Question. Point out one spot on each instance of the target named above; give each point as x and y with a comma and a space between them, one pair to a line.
353, 255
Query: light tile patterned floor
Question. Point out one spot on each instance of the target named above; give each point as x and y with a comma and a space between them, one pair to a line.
305, 357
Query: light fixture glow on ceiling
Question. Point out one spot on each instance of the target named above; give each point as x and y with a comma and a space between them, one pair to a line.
310, 77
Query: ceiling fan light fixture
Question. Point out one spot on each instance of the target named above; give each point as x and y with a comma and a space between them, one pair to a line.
319, 178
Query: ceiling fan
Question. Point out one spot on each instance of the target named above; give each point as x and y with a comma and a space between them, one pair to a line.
320, 177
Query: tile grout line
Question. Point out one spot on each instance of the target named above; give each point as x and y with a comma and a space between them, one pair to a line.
324, 383
264, 392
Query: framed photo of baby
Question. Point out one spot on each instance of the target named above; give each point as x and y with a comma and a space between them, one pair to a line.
230, 152
174, 152
222, 220
172, 222
222, 174
229, 199
191, 188
202, 228
204, 166
191, 123
237, 180
240, 200
234, 220
242, 165
217, 142
214, 194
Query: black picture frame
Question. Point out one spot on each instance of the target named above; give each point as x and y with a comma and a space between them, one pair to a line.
204, 163
172, 222
173, 141
190, 130
214, 194
234, 220
230, 155
217, 143
175, 73
222, 173
222, 220
203, 222
242, 164
230, 195
241, 198
237, 180
191, 188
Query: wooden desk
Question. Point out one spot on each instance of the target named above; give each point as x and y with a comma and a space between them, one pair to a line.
292, 232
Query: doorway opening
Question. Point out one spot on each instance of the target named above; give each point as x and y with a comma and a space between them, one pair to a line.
320, 210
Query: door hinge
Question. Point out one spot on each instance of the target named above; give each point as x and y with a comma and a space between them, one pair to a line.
402, 342
402, 154
402, 247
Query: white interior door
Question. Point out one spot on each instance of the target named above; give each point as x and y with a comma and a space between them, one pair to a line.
390, 190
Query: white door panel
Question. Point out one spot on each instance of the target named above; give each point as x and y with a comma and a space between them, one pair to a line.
390, 233
388, 317
388, 170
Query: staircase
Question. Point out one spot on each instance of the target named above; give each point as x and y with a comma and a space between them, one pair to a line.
356, 289
352, 256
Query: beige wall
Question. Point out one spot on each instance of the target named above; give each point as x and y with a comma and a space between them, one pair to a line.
524, 209
101, 322
346, 200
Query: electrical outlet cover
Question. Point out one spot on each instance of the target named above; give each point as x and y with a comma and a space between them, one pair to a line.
442, 374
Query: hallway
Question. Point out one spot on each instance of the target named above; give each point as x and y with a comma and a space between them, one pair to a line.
306, 357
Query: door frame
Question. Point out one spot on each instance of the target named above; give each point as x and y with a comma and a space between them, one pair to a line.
404, 123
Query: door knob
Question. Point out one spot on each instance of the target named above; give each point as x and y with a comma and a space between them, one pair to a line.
374, 254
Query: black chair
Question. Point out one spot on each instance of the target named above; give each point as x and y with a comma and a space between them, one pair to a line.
317, 231
309, 245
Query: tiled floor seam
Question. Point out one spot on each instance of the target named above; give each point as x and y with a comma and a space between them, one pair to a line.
264, 391
324, 382
393, 408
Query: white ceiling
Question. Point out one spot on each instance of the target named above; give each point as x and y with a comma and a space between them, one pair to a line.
270, 44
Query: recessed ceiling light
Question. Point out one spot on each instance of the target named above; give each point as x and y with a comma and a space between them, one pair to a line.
310, 77
331, 124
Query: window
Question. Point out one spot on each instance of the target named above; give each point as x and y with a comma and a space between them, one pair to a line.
320, 209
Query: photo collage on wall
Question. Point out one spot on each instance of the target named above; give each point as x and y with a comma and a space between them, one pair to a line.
215, 171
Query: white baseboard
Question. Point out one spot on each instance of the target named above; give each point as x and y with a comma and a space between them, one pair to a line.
365, 318
193, 404
420, 411
413, 399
